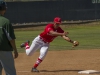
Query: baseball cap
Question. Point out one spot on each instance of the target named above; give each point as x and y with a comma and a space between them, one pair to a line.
3, 5
57, 20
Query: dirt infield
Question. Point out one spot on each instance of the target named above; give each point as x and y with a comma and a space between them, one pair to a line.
68, 62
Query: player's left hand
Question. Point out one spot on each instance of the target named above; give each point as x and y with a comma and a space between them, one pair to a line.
15, 54
75, 43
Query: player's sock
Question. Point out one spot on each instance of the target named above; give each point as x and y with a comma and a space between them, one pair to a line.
27, 46
37, 63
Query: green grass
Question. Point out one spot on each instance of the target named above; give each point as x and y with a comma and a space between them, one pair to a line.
88, 36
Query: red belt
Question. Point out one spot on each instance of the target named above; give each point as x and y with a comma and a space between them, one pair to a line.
43, 40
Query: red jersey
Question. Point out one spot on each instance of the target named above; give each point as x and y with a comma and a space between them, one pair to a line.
45, 34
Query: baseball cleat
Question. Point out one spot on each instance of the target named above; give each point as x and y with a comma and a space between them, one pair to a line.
34, 70
23, 44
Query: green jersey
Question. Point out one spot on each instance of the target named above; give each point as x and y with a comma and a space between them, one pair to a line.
6, 34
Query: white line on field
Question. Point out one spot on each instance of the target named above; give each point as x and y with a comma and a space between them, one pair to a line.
23, 71
28, 71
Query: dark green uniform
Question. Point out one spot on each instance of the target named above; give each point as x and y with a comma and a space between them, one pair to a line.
6, 34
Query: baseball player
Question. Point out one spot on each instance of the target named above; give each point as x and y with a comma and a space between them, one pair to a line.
7, 43
43, 40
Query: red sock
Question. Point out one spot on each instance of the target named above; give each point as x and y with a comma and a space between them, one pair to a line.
37, 63
27, 46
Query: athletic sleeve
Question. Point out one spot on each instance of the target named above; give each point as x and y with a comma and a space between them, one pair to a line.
48, 29
9, 31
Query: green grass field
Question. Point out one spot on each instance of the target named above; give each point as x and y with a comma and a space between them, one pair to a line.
87, 35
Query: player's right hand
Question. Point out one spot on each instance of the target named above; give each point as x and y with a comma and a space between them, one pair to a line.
65, 33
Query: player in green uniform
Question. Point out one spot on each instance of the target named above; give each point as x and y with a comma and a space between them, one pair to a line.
7, 43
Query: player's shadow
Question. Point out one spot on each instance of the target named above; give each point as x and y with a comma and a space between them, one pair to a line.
59, 70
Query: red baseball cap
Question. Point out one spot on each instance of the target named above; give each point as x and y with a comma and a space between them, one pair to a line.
57, 20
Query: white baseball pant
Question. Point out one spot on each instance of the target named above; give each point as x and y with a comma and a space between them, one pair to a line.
38, 43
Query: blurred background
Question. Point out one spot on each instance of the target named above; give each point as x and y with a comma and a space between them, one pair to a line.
28, 11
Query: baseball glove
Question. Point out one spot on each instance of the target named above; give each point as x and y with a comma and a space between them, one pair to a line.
75, 43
